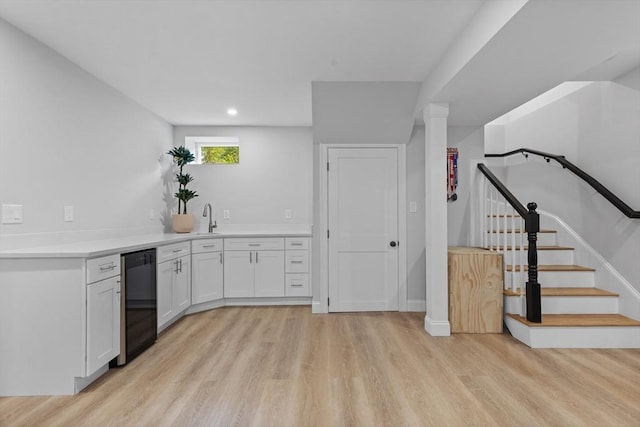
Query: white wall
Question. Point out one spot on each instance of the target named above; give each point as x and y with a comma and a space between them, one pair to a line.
66, 138
416, 279
596, 128
630, 79
275, 173
469, 140
363, 112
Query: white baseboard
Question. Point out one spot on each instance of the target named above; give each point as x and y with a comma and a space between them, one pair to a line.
418, 305
437, 328
267, 301
82, 382
197, 308
316, 308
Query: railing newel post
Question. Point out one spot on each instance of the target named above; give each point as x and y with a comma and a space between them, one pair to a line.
532, 226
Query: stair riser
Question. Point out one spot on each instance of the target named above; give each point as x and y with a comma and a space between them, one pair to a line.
557, 279
567, 305
561, 257
575, 337
519, 223
547, 239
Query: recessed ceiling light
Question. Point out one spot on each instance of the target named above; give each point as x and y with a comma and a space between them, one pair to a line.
232, 111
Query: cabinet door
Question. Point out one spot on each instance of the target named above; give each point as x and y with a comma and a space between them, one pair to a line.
206, 277
103, 323
165, 279
269, 273
238, 273
182, 286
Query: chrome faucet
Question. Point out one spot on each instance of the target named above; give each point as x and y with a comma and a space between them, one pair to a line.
212, 223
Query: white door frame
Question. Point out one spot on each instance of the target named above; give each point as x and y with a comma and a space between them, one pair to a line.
323, 307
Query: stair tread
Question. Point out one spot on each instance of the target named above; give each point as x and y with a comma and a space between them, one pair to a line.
554, 267
576, 320
543, 248
517, 230
568, 292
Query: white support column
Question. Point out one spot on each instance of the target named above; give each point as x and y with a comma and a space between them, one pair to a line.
436, 322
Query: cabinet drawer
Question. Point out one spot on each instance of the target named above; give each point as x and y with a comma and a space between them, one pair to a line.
297, 285
103, 268
296, 243
206, 245
254, 244
297, 262
169, 252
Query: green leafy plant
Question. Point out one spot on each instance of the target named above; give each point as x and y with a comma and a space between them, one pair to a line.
181, 157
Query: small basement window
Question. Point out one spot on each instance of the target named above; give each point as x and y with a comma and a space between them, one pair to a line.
214, 150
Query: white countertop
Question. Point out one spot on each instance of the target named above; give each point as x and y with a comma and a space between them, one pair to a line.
95, 248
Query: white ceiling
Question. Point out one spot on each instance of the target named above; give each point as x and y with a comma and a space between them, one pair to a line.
188, 61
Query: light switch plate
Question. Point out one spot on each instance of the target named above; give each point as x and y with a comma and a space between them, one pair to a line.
12, 214
68, 213
413, 207
225, 214
287, 213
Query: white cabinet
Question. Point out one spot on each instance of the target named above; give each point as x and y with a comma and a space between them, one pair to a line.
103, 312
173, 281
297, 267
253, 267
269, 274
206, 270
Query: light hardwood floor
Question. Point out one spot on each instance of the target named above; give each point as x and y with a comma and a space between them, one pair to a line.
283, 366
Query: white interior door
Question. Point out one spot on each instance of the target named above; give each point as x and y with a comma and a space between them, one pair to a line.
363, 227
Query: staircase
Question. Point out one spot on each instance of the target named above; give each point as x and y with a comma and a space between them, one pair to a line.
575, 312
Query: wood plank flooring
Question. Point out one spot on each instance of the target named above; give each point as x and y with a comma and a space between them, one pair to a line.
283, 366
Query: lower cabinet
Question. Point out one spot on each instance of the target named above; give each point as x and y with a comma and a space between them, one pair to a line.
254, 267
269, 274
206, 277
174, 283
297, 267
103, 323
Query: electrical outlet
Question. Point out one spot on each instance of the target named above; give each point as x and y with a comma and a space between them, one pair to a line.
12, 214
152, 214
225, 214
68, 213
287, 213
413, 207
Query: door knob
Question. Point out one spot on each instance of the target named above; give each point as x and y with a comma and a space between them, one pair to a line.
393, 244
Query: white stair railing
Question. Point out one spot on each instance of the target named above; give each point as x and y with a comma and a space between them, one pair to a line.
504, 221
503, 232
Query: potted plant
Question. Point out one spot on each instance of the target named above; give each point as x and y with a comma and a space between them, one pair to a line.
182, 221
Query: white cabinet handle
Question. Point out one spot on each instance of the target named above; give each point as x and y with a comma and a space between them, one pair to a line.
175, 251
220, 257
296, 285
176, 270
180, 265
209, 246
108, 268
254, 245
256, 257
296, 243
296, 262
250, 257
